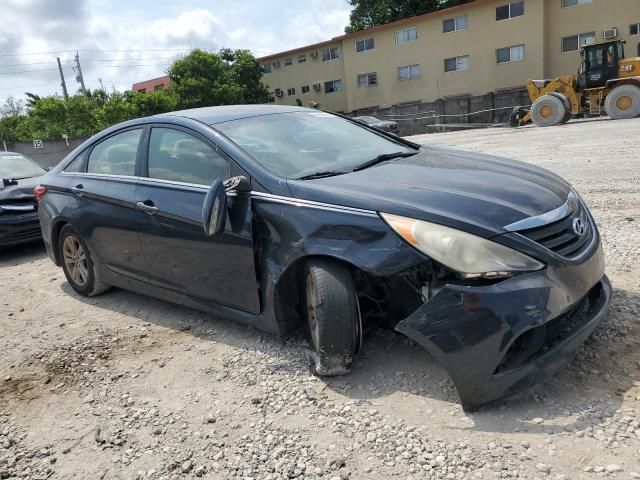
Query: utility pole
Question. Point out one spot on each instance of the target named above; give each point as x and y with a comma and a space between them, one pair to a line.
79, 77
101, 85
62, 82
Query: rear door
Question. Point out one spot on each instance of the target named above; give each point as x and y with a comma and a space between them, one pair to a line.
180, 167
102, 206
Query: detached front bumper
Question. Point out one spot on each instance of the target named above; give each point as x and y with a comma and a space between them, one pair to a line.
19, 229
497, 340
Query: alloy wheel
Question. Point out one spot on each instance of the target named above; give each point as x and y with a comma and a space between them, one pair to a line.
75, 260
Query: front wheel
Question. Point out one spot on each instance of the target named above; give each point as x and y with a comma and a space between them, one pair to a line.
333, 317
77, 263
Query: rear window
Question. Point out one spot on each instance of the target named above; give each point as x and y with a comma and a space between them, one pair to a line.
116, 155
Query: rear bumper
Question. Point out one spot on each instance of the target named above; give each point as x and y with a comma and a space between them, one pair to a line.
497, 340
19, 229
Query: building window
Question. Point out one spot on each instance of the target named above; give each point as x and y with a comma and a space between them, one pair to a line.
409, 72
364, 45
572, 3
330, 54
266, 68
291, 92
367, 79
575, 42
333, 86
454, 24
302, 58
288, 61
456, 64
510, 10
634, 29
510, 54
305, 89
407, 35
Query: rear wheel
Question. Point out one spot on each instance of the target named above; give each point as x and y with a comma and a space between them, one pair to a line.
333, 317
77, 263
548, 111
623, 102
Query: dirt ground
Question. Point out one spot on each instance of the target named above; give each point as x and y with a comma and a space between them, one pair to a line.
122, 386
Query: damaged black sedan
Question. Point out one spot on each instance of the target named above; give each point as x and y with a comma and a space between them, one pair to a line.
283, 216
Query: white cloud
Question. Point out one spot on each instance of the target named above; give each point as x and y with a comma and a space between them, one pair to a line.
144, 36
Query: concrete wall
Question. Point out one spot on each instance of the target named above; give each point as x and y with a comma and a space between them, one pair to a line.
540, 30
49, 155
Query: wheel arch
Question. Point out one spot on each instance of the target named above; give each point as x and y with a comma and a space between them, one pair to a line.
55, 239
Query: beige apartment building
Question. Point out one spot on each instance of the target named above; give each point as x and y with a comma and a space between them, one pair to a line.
480, 47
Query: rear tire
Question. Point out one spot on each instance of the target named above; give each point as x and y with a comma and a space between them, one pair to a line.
333, 317
623, 102
78, 265
548, 111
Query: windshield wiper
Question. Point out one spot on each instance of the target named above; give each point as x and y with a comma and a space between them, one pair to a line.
320, 175
383, 158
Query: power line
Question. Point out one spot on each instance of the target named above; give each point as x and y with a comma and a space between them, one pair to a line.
101, 66
98, 50
88, 61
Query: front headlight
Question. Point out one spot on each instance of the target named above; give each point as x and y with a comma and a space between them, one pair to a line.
461, 251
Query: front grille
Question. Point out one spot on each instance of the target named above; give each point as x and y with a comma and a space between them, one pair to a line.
560, 236
18, 206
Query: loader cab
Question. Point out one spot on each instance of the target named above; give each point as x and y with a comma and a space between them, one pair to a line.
600, 63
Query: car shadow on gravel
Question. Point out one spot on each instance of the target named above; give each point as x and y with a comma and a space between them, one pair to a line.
389, 363
16, 255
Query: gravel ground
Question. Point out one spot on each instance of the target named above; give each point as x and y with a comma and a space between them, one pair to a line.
122, 386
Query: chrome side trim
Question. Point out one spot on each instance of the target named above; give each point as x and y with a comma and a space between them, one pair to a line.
297, 202
540, 220
99, 175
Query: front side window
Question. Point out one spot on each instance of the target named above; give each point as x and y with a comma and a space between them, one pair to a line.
454, 24
296, 144
456, 64
333, 86
180, 157
364, 45
367, 79
407, 35
510, 54
330, 54
116, 155
409, 72
575, 42
510, 10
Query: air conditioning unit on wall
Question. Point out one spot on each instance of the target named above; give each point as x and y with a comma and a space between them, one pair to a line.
314, 54
276, 64
611, 33
317, 87
278, 92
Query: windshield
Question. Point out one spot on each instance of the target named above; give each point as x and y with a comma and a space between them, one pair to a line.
368, 120
17, 166
298, 144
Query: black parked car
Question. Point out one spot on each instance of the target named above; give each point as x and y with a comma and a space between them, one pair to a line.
384, 125
279, 216
18, 208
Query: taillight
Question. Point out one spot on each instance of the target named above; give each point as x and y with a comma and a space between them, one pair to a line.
40, 191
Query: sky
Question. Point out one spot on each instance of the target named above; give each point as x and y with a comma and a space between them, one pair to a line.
125, 41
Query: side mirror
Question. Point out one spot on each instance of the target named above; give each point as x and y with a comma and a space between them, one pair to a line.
214, 209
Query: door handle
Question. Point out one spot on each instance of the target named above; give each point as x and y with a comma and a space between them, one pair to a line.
147, 207
78, 190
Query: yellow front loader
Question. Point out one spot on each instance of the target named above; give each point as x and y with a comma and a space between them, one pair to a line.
607, 82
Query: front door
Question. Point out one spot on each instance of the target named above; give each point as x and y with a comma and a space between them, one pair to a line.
181, 166
102, 205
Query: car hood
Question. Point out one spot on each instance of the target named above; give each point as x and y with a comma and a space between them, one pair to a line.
477, 193
22, 191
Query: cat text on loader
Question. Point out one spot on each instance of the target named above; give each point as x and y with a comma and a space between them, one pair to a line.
607, 82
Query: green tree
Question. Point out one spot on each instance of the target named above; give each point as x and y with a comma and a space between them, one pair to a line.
369, 13
202, 79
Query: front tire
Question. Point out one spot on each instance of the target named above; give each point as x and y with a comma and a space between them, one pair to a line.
78, 265
548, 111
623, 102
333, 317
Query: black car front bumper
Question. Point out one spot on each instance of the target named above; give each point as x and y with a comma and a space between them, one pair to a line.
497, 340
19, 229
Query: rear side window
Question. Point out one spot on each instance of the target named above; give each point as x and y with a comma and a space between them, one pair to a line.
175, 155
116, 155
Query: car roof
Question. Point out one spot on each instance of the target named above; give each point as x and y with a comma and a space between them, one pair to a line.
227, 113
